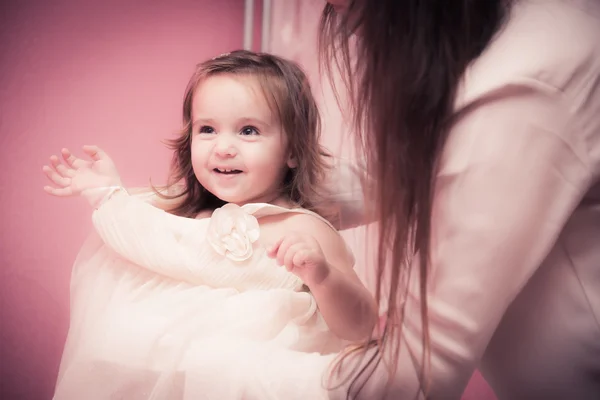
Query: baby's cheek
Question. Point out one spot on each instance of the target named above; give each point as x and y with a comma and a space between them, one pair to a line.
269, 169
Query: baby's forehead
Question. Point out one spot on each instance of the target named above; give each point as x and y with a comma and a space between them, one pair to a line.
228, 94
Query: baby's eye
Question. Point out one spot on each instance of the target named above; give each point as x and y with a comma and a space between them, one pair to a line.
206, 129
249, 130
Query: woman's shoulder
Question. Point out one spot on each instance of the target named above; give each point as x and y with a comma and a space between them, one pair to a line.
540, 77
552, 44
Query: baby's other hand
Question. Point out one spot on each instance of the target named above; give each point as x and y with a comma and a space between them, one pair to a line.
302, 255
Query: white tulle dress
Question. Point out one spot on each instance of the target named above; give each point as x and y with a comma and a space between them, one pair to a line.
165, 307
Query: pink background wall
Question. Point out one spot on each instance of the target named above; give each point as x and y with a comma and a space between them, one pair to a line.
79, 72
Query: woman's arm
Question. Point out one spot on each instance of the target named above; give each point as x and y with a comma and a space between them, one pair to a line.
346, 188
514, 169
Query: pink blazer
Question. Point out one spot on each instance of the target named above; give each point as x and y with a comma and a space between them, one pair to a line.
515, 281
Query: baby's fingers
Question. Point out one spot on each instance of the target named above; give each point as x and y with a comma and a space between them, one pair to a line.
61, 168
60, 192
300, 258
55, 178
71, 160
274, 248
293, 254
95, 153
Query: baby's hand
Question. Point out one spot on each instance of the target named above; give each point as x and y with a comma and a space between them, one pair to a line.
90, 178
301, 254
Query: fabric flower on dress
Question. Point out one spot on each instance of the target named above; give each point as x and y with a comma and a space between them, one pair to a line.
232, 231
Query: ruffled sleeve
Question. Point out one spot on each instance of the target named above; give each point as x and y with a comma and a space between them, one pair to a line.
150, 237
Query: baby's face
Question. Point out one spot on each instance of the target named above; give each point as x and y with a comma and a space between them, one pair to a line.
239, 151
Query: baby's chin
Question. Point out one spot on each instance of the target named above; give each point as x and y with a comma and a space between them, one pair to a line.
238, 199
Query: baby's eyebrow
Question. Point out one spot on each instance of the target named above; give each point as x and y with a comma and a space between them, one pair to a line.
258, 121
201, 120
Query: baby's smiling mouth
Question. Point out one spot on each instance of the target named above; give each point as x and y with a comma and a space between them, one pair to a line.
227, 171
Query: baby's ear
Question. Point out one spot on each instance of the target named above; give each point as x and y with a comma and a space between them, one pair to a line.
292, 162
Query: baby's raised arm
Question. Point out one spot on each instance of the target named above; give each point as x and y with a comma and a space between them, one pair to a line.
136, 230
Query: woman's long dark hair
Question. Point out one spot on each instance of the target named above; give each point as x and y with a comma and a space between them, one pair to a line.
402, 75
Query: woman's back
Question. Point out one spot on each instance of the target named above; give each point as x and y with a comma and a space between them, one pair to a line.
543, 71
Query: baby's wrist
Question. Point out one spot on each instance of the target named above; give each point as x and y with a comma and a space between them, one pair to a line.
99, 196
320, 276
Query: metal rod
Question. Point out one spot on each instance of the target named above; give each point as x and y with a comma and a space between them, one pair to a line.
248, 23
266, 26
